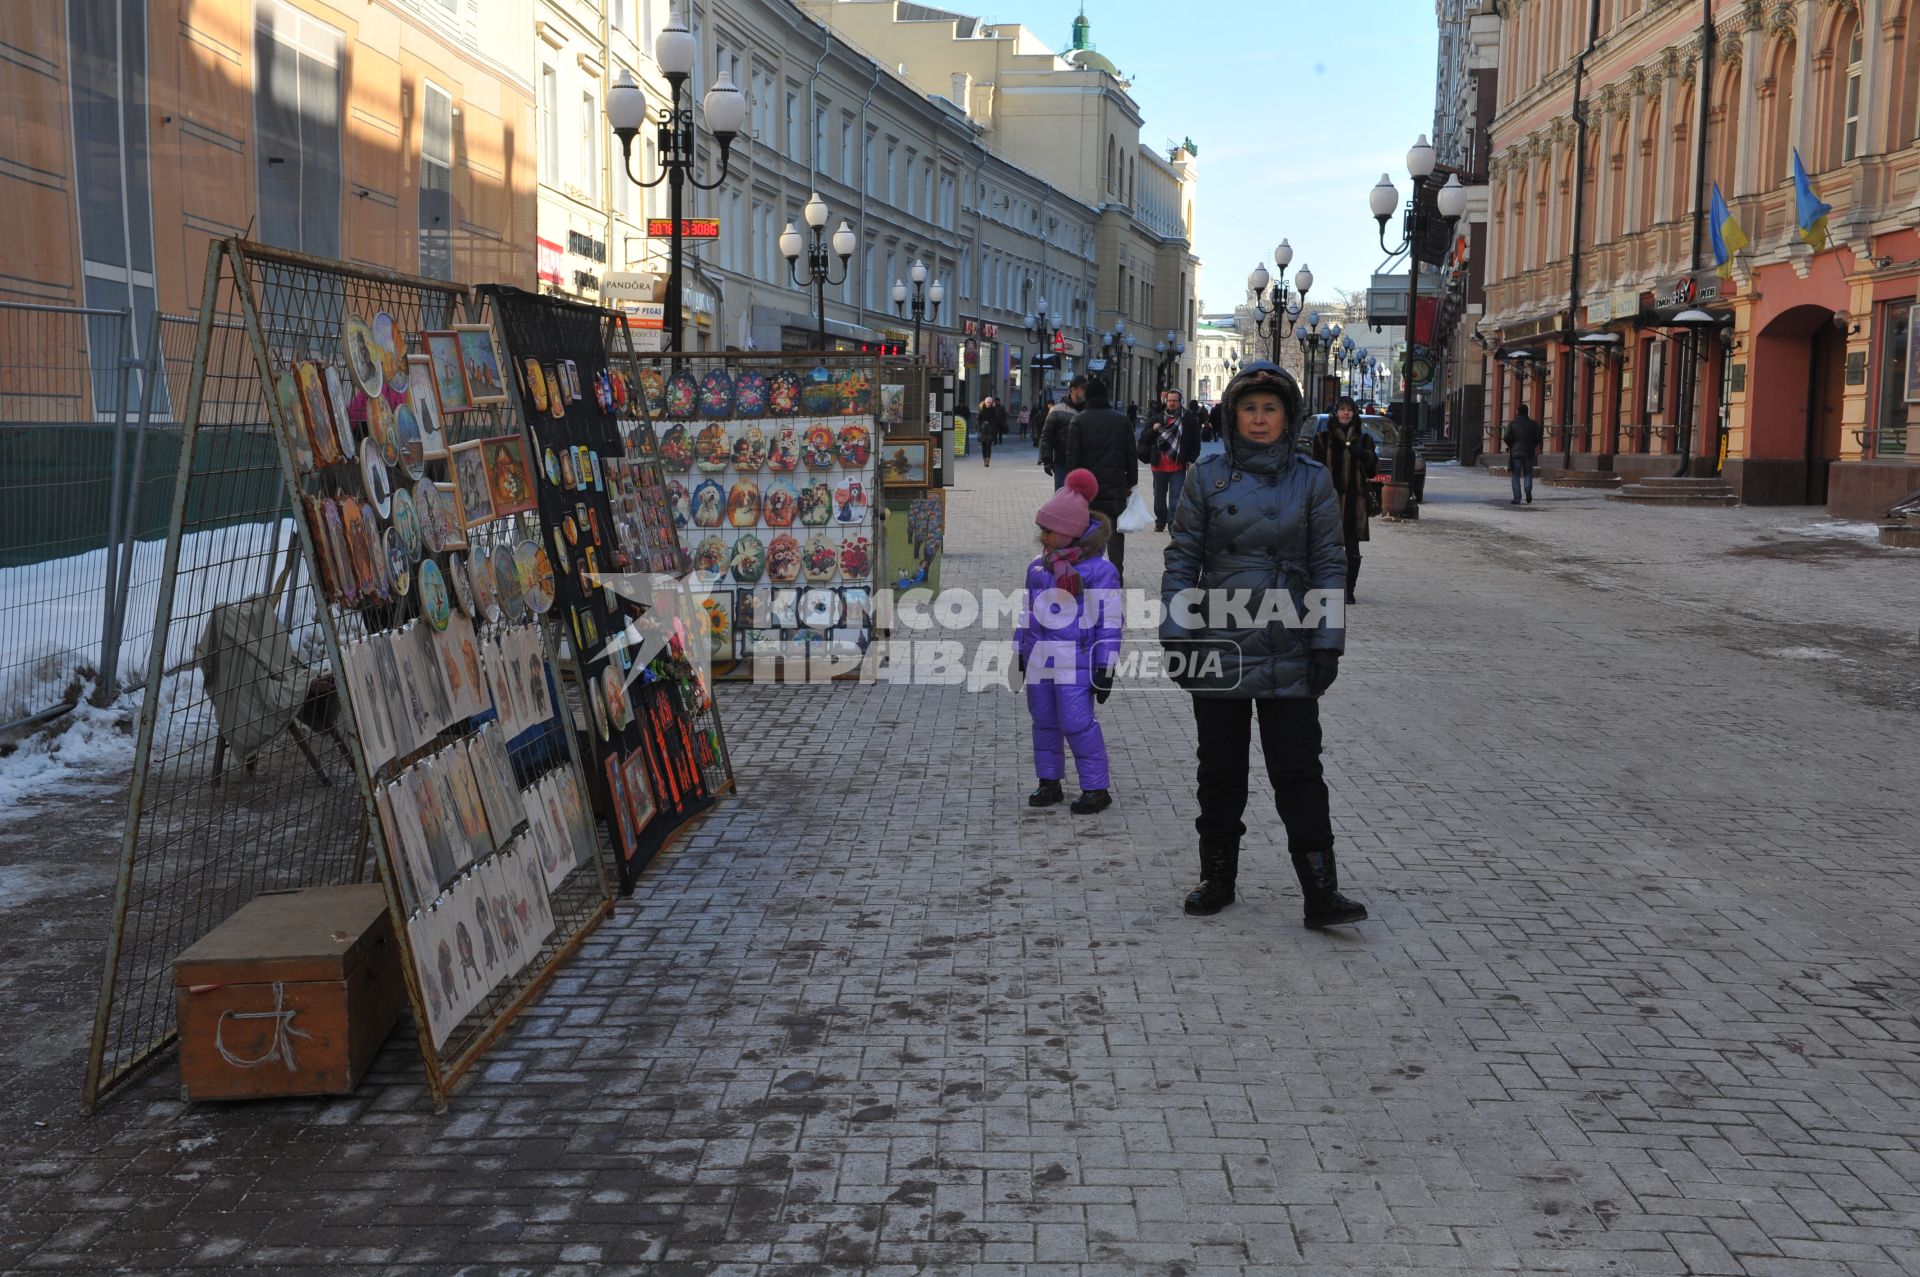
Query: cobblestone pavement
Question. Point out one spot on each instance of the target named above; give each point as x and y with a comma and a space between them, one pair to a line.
1631, 795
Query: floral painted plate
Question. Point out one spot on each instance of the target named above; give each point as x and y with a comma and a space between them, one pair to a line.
682, 396
750, 394
783, 559
433, 595
820, 559
710, 557
749, 560
716, 395
856, 558
783, 393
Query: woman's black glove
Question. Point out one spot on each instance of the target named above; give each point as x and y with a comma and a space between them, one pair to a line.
1322, 669
1102, 684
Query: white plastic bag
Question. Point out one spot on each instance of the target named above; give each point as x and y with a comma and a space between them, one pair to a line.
1136, 517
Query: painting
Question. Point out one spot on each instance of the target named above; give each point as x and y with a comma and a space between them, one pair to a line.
904, 462
480, 363
509, 480
449, 378
317, 412
470, 484
893, 405
426, 406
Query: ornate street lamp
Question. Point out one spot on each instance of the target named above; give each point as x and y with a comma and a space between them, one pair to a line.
1275, 311
819, 267
1170, 349
1597, 349
1694, 322
725, 108
1451, 202
924, 296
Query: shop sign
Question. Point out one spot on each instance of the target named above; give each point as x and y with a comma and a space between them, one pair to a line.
1675, 293
1600, 310
630, 283
1533, 328
549, 254
647, 315
969, 328
690, 228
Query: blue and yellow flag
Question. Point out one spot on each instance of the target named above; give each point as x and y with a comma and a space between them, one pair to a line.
1728, 237
1809, 211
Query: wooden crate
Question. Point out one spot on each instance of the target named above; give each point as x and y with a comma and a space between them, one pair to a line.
293, 995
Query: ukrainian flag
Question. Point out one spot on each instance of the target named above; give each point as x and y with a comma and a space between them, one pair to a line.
1810, 211
1728, 238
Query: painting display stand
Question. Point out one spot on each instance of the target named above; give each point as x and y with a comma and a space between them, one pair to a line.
630, 630
384, 589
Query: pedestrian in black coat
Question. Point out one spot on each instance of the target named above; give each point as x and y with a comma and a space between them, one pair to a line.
1347, 451
1101, 439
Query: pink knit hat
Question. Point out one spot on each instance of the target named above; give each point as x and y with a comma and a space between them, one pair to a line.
1066, 513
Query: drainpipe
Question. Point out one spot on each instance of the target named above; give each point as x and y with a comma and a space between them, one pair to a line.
1573, 250
1704, 91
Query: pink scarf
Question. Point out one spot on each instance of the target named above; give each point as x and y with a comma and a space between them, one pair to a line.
1060, 563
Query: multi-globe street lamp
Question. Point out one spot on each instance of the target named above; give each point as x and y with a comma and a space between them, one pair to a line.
924, 296
1275, 312
1043, 330
1117, 345
1170, 349
819, 267
725, 109
1450, 201
1694, 322
1597, 349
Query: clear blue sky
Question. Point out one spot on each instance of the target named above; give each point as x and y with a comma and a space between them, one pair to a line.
1232, 75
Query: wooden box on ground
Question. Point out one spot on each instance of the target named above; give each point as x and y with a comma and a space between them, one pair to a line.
290, 996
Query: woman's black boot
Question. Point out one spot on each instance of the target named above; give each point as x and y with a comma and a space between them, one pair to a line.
1320, 885
1049, 794
1219, 866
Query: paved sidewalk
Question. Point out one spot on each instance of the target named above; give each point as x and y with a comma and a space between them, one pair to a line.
1630, 793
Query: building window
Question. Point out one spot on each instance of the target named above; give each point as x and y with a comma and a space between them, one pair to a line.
793, 126
549, 126
866, 164
911, 153
589, 147
617, 14
846, 149
820, 139
1850, 130
436, 182
297, 102
893, 182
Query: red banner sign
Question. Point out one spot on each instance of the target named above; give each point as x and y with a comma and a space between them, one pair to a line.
549, 260
690, 228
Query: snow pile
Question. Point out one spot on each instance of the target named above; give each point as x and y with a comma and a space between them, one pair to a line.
90, 749
1837, 529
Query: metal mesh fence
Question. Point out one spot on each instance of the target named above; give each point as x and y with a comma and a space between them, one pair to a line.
251, 771
65, 387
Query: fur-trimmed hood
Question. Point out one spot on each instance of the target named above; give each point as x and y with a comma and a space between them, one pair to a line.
1093, 542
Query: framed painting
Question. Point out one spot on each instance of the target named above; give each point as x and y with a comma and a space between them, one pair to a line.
426, 405
480, 364
449, 377
904, 463
509, 479
470, 485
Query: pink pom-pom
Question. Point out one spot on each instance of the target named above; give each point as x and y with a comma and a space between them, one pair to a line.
1083, 482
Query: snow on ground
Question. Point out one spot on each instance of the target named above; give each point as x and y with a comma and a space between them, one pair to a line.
1836, 529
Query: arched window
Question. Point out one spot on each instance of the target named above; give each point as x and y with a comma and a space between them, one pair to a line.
1517, 227
1563, 222
1777, 90
1110, 155
1846, 75
1618, 172
1723, 136
1680, 159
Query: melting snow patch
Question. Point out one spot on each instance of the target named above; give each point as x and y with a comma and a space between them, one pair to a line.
1837, 530
1804, 653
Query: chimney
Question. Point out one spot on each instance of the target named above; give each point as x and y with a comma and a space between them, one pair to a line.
962, 93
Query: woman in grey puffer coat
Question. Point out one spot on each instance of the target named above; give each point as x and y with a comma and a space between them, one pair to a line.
1257, 530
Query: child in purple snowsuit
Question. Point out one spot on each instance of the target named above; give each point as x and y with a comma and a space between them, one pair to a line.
1068, 640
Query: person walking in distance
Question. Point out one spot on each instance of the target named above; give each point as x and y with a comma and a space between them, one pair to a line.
1067, 643
1347, 451
1053, 435
1523, 452
1257, 538
1100, 439
1170, 444
986, 430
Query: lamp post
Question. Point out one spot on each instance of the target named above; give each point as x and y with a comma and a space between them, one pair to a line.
725, 108
1042, 330
1169, 348
819, 268
1694, 322
1273, 317
1450, 201
924, 295
1309, 341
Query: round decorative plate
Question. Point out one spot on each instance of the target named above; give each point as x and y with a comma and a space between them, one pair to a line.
535, 570
462, 585
710, 557
711, 451
406, 434
750, 394
433, 595
406, 521
682, 396
676, 450
855, 445
486, 594
654, 386
393, 346
749, 559
380, 429
783, 393
551, 460
507, 584
399, 564
364, 357
716, 395
379, 486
